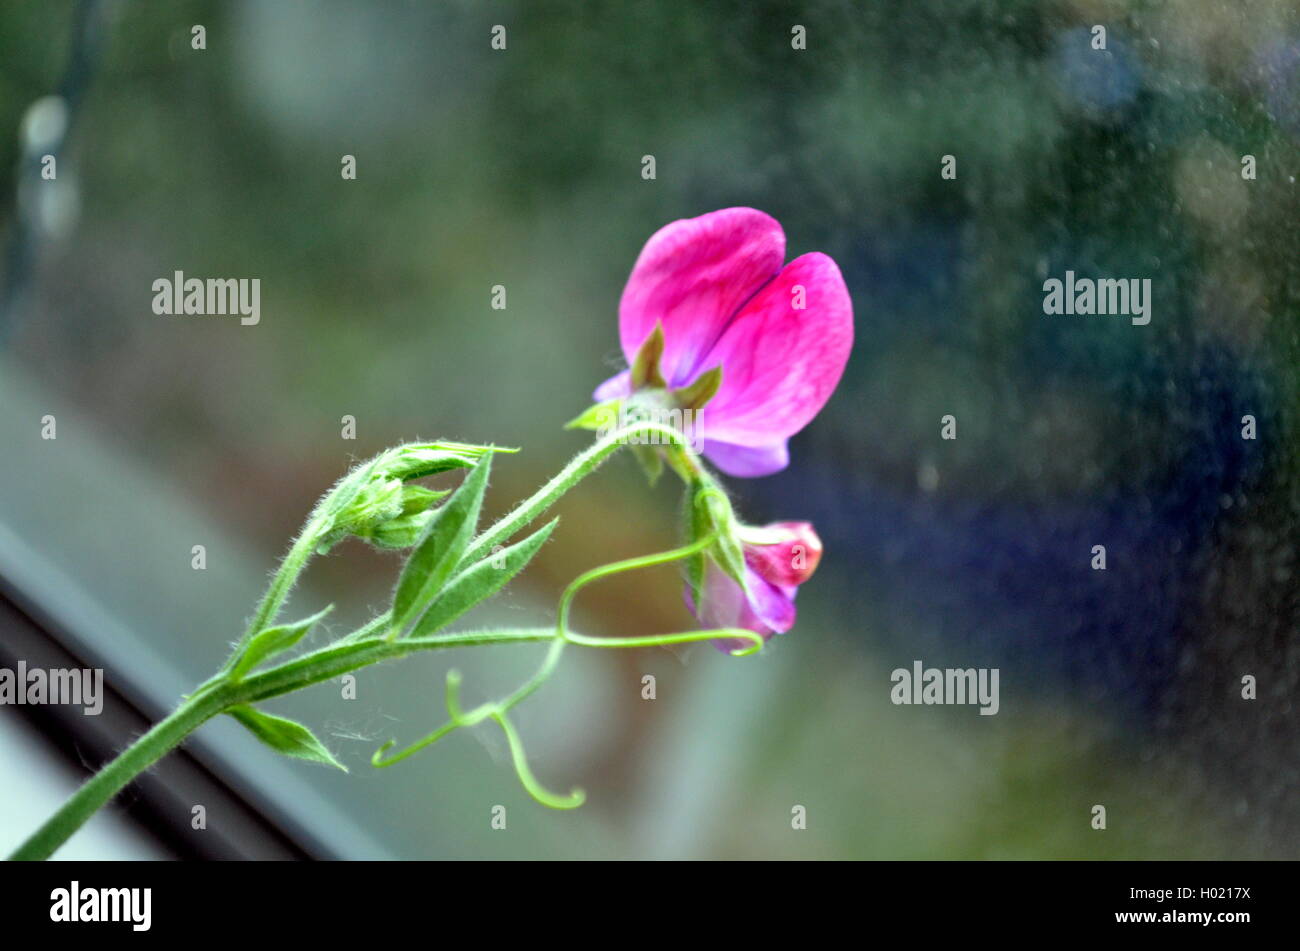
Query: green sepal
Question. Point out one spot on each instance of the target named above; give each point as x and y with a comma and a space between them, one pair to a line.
645, 367
285, 736
698, 394
404, 530
416, 498
601, 417
359, 507
439, 552
274, 640
651, 460
417, 460
480, 581
398, 533
697, 563
714, 515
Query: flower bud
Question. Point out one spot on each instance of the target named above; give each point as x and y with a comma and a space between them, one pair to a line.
783, 553
397, 533
403, 529
777, 559
417, 460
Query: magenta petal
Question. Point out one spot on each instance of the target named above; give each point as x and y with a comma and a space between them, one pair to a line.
693, 275
788, 561
780, 363
747, 462
616, 387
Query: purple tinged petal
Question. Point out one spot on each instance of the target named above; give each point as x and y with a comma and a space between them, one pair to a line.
745, 461
767, 609
616, 387
771, 605
778, 558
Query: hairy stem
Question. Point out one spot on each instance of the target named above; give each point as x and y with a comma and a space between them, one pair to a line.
581, 466
169, 732
130, 763
354, 651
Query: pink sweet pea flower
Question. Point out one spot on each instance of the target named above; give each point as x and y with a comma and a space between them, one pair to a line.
782, 335
778, 558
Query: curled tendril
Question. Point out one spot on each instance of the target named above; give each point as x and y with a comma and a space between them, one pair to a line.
497, 711
535, 789
458, 720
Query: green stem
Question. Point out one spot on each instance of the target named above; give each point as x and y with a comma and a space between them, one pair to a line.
341, 658
581, 466
109, 781
562, 636
318, 524
527, 511
218, 694
286, 576
168, 733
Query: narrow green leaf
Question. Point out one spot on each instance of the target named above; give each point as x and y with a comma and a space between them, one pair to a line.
436, 556
272, 641
480, 581
285, 736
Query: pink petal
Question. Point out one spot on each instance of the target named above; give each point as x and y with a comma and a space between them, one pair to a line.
616, 387
789, 562
779, 364
746, 462
693, 275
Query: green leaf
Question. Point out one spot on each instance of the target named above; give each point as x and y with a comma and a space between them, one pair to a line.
273, 640
284, 736
438, 553
602, 416
645, 366
480, 581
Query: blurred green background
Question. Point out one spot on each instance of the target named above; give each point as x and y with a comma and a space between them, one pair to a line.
522, 167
